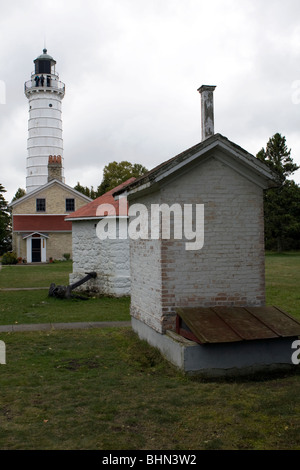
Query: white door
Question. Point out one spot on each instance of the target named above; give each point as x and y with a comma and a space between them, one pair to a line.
43, 248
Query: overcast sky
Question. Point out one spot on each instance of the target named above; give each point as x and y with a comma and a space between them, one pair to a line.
132, 69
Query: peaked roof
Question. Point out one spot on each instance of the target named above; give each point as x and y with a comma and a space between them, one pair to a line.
35, 233
240, 159
46, 186
91, 211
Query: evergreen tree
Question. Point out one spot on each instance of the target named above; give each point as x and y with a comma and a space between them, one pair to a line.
278, 157
281, 204
5, 223
89, 192
19, 193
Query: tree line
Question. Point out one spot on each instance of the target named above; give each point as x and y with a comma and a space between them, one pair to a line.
281, 203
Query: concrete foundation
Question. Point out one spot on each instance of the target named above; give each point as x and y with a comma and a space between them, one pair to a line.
217, 360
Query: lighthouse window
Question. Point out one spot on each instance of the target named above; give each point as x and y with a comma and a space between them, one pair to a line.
70, 205
44, 66
41, 205
50, 105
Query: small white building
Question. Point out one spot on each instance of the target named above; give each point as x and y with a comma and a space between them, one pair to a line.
204, 307
109, 258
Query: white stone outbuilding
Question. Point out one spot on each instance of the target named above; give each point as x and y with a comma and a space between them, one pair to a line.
109, 258
203, 304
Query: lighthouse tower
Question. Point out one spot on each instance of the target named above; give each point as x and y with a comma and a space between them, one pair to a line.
45, 93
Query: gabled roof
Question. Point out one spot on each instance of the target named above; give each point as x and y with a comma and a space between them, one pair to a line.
34, 233
91, 210
46, 186
234, 155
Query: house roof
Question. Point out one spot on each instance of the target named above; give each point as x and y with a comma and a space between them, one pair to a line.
234, 155
92, 211
46, 186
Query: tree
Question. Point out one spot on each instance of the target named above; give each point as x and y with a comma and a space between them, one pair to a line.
113, 174
86, 191
5, 223
281, 204
278, 157
19, 193
116, 173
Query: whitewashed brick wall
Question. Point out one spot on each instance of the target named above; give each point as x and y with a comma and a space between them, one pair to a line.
145, 270
109, 258
228, 271
146, 293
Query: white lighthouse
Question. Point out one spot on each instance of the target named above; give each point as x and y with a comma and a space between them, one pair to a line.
45, 93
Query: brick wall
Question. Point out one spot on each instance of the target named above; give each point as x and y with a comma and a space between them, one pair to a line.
146, 283
229, 270
145, 271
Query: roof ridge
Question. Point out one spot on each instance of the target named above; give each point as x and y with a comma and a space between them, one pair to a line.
201, 146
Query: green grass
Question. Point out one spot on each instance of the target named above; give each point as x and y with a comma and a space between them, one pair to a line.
37, 307
104, 389
107, 390
283, 281
27, 275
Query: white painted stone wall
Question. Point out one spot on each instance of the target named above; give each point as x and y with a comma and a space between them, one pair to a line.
228, 271
109, 258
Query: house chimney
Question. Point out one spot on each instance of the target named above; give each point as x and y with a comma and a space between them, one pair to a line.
207, 110
54, 168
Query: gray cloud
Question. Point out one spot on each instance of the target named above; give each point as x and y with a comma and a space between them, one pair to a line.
132, 69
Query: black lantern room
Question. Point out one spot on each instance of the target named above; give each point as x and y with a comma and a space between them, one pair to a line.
44, 64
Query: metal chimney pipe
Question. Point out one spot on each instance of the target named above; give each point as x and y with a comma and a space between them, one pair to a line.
207, 110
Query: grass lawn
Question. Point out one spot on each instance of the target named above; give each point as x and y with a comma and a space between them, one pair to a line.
36, 307
283, 281
104, 389
27, 275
